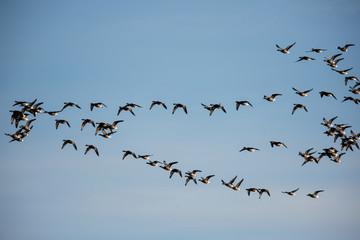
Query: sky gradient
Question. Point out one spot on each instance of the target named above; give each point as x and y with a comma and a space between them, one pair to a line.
190, 52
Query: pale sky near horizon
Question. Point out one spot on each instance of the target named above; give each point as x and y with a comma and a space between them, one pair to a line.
188, 52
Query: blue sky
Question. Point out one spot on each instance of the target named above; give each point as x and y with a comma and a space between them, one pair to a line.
190, 52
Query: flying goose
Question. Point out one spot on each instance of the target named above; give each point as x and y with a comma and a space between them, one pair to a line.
85, 121
146, 157
250, 149
175, 171
261, 191
278, 144
167, 166
206, 180
285, 50
132, 105
291, 193
61, 121
327, 94
355, 100
244, 103
331, 60
310, 159
317, 50
237, 186
70, 104
272, 97
333, 64
127, 152
343, 72
177, 105
345, 48
354, 90
98, 105
249, 190
27, 125
68, 141
152, 163
307, 153
351, 78
15, 137
337, 158
216, 106
296, 106
328, 124
52, 113
125, 108
91, 147
229, 184
106, 135
315, 194
305, 58
188, 178
302, 94
157, 103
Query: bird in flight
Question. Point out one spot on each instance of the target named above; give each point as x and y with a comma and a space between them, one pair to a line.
285, 50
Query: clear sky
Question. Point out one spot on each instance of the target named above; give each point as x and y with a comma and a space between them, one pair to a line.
188, 52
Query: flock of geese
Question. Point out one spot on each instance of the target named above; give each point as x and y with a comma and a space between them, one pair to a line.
106, 130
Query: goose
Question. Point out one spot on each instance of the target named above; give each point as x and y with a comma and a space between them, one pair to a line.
285, 50
167, 166
61, 121
354, 90
192, 173
177, 105
91, 147
146, 157
52, 113
278, 144
237, 186
188, 178
85, 121
106, 135
342, 72
333, 64
98, 105
302, 94
18, 116
317, 50
355, 100
206, 107
125, 108
14, 137
315, 194
337, 158
332, 59
70, 104
132, 105
244, 103
291, 193
175, 171
21, 103
345, 48
127, 152
34, 109
355, 136
152, 163
261, 191
250, 149
101, 126
351, 78
327, 94
216, 106
229, 184
206, 180
68, 141
306, 58
27, 125
272, 97
157, 103
307, 153
296, 106
249, 190
113, 125
328, 124
310, 159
